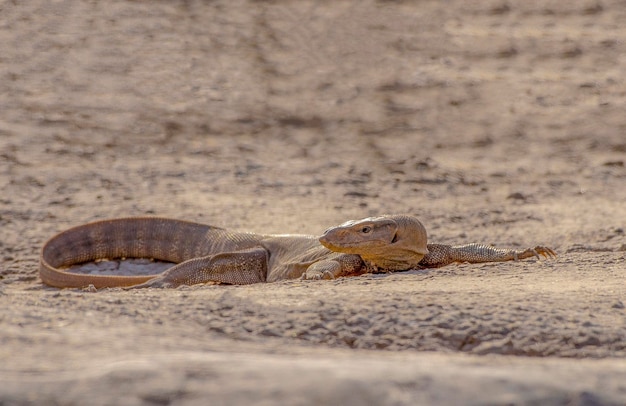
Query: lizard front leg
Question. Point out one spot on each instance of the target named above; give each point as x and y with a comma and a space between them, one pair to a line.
343, 265
440, 254
236, 268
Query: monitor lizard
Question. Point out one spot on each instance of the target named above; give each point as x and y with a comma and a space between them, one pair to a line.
205, 253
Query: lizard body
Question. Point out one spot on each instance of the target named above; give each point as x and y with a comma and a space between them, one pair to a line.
204, 253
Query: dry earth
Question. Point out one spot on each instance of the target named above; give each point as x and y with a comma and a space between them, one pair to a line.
495, 121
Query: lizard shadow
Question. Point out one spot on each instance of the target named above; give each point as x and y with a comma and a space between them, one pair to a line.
124, 267
418, 272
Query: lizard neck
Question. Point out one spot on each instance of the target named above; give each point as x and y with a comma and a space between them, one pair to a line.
378, 264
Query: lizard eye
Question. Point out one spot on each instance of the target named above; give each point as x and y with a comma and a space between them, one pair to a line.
366, 229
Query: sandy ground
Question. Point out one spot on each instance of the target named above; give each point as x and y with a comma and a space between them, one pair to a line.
493, 121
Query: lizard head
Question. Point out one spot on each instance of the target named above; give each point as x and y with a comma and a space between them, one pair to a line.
395, 242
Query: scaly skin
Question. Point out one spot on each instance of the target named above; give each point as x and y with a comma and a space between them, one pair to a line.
202, 253
211, 254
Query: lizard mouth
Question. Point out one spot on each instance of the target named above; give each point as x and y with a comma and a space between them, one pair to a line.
346, 247
324, 241
331, 246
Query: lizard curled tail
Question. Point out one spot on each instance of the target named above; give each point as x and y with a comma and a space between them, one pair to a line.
140, 237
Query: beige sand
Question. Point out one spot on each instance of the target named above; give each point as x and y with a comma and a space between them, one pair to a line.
492, 121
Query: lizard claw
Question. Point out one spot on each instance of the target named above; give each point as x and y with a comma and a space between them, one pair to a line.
540, 250
545, 251
317, 275
311, 275
157, 282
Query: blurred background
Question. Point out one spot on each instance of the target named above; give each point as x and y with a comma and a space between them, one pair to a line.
293, 116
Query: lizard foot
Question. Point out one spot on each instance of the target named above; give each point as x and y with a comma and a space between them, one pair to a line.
157, 282
538, 252
322, 270
311, 275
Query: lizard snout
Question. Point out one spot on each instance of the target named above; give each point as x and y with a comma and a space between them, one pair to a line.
326, 242
330, 237
324, 237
